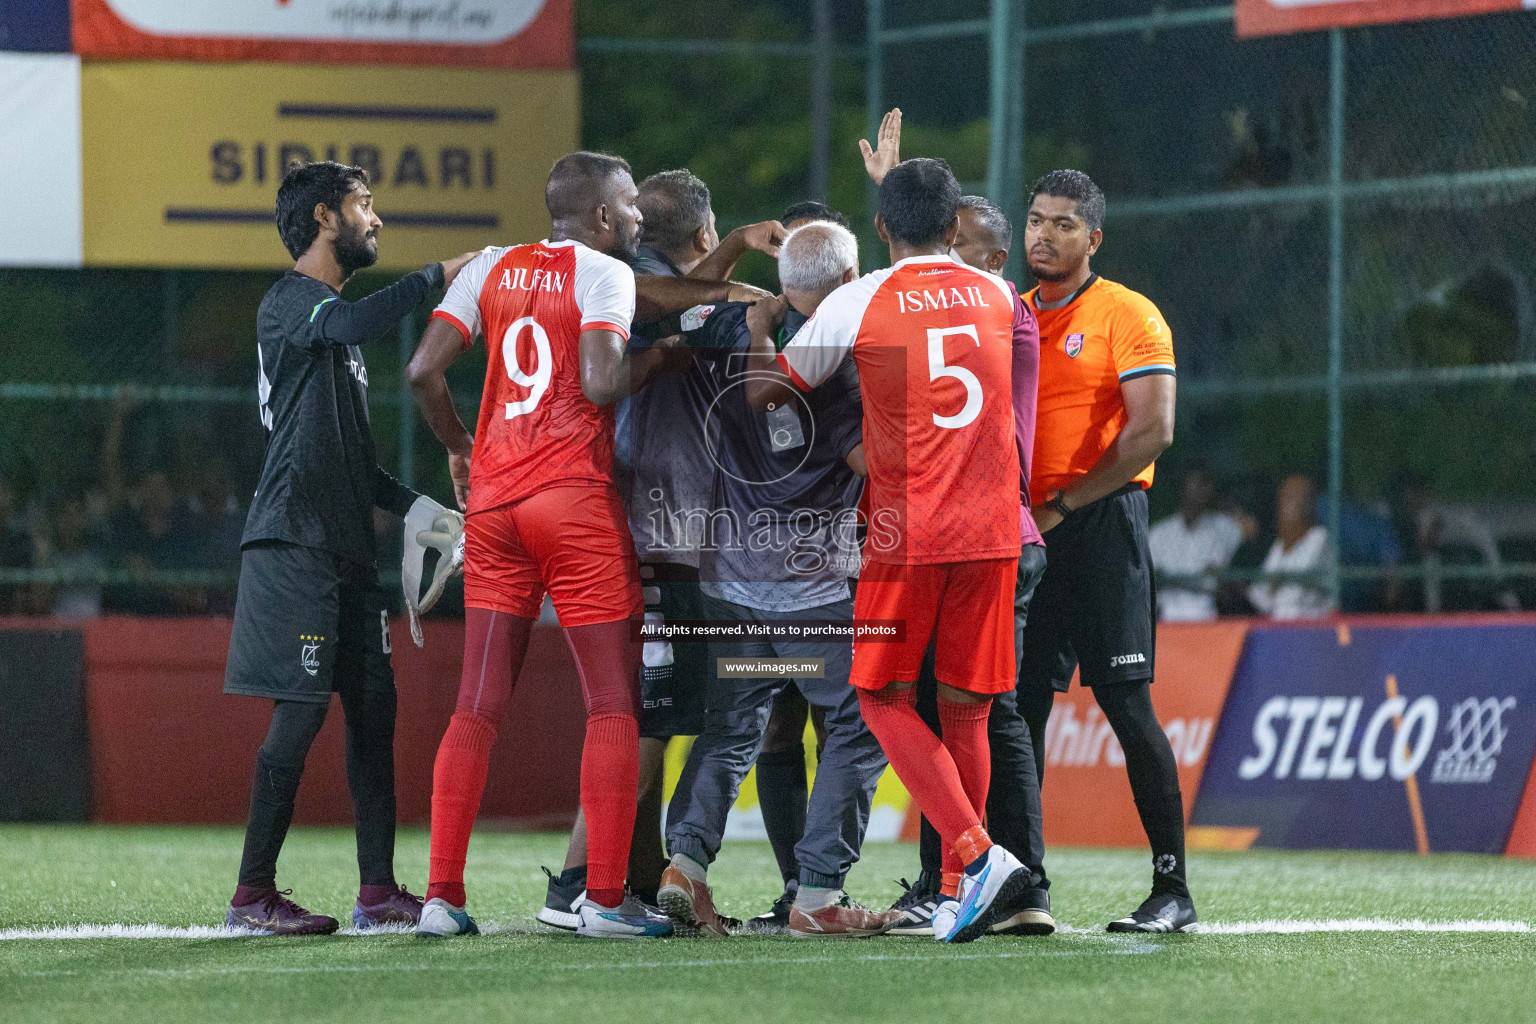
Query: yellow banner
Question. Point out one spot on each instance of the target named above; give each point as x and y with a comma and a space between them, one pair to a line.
182, 161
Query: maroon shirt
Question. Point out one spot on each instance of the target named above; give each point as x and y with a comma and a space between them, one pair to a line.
1026, 381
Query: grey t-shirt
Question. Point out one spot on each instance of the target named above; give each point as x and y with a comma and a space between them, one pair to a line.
661, 464
784, 537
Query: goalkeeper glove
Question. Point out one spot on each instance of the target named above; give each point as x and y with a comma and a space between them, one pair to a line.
434, 551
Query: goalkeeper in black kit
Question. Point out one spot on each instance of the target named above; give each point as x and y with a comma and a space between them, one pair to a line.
310, 616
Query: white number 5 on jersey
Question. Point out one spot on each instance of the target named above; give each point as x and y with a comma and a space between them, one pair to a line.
539, 379
937, 369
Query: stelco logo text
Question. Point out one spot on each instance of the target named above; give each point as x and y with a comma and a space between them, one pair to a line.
1315, 738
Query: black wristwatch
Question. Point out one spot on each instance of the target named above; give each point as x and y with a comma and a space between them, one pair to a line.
1058, 501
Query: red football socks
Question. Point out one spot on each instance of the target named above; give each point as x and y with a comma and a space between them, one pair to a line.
494, 646
607, 658
458, 780
965, 737
921, 761
972, 845
610, 775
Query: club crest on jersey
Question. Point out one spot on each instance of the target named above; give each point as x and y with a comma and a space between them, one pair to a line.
1074, 345
309, 653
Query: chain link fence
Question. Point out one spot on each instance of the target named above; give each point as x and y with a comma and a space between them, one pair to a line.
1336, 225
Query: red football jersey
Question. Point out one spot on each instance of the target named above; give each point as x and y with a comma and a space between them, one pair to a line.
531, 302
933, 342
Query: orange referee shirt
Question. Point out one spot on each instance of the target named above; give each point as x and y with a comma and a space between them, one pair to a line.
1090, 343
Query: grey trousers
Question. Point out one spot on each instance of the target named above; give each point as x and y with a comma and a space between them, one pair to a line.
734, 727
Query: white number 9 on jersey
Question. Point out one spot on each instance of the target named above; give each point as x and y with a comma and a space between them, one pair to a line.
937, 369
539, 379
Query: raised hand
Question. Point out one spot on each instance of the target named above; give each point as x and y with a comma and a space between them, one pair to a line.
765, 315
764, 236
887, 152
746, 293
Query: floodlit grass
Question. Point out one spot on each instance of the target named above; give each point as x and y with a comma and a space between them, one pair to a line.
53, 877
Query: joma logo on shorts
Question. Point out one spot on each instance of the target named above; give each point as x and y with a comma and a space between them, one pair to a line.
1121, 660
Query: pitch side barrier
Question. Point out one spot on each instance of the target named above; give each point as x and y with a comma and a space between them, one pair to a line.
1390, 733
139, 730
1377, 733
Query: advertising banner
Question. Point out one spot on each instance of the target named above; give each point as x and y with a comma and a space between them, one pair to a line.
440, 33
37, 26
182, 161
1086, 798
1379, 737
44, 758
1278, 17
1522, 837
40, 171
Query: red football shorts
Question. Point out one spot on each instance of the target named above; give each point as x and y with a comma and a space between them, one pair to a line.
572, 541
968, 605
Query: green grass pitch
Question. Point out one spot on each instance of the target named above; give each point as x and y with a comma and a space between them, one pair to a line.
53, 877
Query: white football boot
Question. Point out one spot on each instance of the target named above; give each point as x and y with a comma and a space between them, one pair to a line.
629, 920
441, 919
1000, 876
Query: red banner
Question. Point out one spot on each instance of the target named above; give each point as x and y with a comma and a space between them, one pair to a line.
1279, 17
167, 746
529, 34
1086, 798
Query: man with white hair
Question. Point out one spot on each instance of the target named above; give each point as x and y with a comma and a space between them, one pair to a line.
786, 489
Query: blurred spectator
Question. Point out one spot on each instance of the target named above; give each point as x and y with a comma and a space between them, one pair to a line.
1258, 161
1241, 501
149, 533
150, 530
1437, 532
1190, 549
217, 521
18, 550
78, 559
1298, 558
1366, 538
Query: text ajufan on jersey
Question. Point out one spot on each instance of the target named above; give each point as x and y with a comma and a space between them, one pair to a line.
535, 279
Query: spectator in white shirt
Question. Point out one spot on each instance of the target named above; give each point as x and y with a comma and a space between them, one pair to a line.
1298, 559
1190, 549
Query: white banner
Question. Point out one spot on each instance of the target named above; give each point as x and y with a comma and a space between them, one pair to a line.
40, 204
460, 22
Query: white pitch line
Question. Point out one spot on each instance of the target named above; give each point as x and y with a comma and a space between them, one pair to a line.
127, 931
161, 931
1356, 924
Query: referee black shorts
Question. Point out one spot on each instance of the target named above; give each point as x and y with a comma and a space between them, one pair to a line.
307, 622
1093, 607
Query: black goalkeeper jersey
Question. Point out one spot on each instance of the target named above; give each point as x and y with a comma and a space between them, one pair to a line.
321, 476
